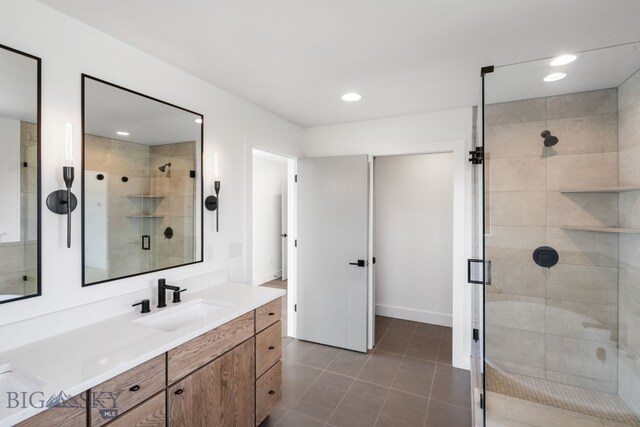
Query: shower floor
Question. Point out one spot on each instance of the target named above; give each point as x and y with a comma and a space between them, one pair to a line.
585, 401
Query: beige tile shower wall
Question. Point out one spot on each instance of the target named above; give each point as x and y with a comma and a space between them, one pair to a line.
177, 205
118, 159
558, 323
629, 269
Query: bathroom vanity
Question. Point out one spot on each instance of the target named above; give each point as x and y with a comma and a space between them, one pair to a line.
220, 369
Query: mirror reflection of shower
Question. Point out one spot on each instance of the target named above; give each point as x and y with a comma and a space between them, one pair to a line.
164, 167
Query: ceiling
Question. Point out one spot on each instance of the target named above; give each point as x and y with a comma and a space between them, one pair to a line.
592, 70
109, 109
296, 58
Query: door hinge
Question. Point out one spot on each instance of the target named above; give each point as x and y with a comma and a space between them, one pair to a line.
295, 243
295, 307
476, 334
374, 260
476, 156
295, 178
481, 401
25, 164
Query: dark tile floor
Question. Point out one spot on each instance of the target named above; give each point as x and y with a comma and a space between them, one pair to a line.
407, 380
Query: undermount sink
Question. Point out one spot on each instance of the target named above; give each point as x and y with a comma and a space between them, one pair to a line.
187, 313
13, 380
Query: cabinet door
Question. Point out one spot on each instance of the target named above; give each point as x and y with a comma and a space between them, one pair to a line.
221, 394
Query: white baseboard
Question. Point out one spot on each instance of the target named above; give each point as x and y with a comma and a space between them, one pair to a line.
267, 277
415, 315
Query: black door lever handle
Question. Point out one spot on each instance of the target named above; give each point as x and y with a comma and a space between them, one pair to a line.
360, 263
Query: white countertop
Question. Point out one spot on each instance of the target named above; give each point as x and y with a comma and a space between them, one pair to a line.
77, 360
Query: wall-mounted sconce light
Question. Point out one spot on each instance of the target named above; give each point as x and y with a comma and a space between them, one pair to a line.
212, 202
63, 202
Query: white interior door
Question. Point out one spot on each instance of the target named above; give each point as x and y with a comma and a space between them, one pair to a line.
332, 218
284, 234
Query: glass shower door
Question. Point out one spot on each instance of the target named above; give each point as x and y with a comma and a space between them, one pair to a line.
561, 231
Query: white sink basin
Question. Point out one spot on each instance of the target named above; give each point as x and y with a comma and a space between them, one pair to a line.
185, 314
13, 380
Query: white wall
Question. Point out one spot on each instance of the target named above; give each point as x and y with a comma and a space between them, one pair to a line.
438, 132
413, 232
232, 127
269, 186
373, 136
10, 170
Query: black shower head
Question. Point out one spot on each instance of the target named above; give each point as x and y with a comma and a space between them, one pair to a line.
164, 167
549, 140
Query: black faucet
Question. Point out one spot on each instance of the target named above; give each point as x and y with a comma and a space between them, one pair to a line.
162, 296
146, 306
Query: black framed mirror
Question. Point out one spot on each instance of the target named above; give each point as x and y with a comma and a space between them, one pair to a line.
20, 230
142, 176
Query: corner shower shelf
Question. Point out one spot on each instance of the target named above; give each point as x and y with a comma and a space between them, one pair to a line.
146, 196
600, 189
145, 216
617, 230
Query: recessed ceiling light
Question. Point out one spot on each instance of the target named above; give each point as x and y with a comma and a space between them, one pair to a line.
198, 121
351, 97
554, 77
562, 60
122, 133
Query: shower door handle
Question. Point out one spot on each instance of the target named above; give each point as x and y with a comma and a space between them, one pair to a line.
481, 277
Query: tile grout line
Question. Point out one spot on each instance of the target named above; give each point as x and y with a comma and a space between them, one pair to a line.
310, 385
302, 394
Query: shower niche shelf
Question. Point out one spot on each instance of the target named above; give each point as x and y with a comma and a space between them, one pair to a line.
616, 230
145, 196
600, 189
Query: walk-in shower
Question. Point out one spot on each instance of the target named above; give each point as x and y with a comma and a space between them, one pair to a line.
561, 314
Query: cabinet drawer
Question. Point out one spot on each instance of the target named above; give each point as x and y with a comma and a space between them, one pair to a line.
121, 393
268, 314
268, 348
196, 353
151, 413
74, 415
268, 392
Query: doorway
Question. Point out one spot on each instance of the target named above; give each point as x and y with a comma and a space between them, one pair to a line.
413, 237
269, 217
273, 227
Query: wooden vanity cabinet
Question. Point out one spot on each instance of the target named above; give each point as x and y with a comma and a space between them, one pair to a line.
230, 376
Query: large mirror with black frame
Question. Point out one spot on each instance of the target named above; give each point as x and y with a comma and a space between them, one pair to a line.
142, 181
19, 175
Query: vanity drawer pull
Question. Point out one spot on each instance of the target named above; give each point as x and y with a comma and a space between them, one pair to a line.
272, 314
272, 392
135, 388
179, 391
272, 347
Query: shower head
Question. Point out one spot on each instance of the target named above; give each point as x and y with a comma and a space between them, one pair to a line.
549, 140
164, 167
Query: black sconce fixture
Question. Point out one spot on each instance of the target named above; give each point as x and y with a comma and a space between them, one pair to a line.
63, 202
212, 202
